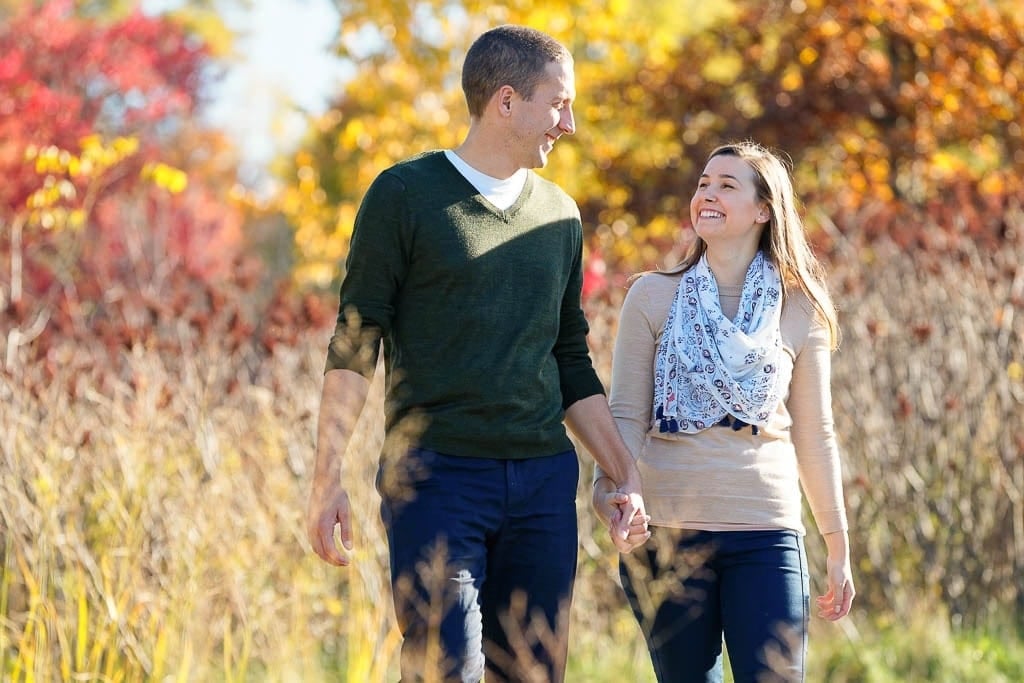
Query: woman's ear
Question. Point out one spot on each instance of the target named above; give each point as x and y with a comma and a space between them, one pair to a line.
763, 214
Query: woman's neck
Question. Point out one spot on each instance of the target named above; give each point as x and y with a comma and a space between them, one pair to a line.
730, 268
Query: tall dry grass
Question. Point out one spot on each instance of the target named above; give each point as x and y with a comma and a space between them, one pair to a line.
929, 401
152, 510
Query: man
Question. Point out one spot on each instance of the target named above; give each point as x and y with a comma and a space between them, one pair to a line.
468, 266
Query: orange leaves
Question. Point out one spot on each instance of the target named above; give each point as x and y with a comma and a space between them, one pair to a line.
880, 104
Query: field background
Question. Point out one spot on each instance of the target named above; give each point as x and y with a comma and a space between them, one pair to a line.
163, 324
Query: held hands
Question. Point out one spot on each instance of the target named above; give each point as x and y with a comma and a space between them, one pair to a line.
622, 510
326, 511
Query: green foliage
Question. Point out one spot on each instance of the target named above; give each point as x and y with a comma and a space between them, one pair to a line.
922, 649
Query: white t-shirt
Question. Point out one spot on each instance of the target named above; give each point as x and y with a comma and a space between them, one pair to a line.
501, 193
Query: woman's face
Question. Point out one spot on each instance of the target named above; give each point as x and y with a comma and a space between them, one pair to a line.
725, 208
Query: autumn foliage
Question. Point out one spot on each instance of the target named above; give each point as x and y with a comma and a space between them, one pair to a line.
903, 119
158, 361
107, 227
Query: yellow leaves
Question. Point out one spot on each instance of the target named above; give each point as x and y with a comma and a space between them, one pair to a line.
950, 102
353, 134
722, 68
808, 56
878, 171
792, 79
49, 159
1015, 371
992, 184
207, 24
663, 228
166, 177
70, 180
945, 164
830, 28
94, 159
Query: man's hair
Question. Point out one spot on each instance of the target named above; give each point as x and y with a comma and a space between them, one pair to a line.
507, 55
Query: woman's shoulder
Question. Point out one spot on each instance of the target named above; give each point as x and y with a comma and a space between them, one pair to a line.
656, 280
799, 317
654, 286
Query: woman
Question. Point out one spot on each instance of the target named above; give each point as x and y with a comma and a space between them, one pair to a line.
720, 388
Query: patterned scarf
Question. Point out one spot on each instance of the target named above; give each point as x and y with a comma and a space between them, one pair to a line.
708, 367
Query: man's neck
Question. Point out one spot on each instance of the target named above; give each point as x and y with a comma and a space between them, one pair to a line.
484, 153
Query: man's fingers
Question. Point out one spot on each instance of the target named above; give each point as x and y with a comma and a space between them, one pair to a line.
628, 510
346, 532
325, 545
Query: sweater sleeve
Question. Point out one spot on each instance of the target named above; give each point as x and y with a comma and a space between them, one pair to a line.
813, 431
632, 383
374, 271
576, 373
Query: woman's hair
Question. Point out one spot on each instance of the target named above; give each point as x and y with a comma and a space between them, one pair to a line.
783, 239
507, 55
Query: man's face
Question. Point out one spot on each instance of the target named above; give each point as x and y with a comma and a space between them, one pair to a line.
545, 117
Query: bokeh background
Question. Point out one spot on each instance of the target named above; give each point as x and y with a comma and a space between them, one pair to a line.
168, 275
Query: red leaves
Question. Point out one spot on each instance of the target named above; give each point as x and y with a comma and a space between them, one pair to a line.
63, 77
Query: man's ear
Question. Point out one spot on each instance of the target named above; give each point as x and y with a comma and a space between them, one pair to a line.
504, 99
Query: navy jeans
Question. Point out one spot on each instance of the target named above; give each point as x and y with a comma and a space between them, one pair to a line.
483, 558
689, 588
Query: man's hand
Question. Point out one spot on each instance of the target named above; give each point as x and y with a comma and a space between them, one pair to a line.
325, 512
623, 513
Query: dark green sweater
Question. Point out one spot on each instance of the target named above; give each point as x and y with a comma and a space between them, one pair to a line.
484, 338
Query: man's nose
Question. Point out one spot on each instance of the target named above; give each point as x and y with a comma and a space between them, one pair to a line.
567, 123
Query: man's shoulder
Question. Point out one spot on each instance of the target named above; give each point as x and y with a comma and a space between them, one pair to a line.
424, 162
429, 159
542, 184
552, 195
416, 175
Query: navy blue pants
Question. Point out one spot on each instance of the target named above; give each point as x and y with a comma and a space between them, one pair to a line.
483, 559
688, 589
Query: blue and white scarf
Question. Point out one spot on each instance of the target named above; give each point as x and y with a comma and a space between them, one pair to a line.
708, 367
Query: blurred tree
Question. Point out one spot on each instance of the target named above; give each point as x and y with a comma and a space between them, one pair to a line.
406, 97
109, 182
880, 104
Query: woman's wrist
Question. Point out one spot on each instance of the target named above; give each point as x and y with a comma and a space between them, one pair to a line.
837, 544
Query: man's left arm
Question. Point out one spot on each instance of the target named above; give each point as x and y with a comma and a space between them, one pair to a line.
591, 422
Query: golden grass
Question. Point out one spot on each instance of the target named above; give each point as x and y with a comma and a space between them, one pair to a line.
152, 516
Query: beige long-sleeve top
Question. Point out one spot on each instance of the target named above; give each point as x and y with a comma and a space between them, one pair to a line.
720, 479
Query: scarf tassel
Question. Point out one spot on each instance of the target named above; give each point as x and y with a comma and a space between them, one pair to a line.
670, 426
737, 424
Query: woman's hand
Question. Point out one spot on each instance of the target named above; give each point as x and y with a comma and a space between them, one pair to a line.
836, 602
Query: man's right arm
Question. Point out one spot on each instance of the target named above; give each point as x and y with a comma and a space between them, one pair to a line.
341, 402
